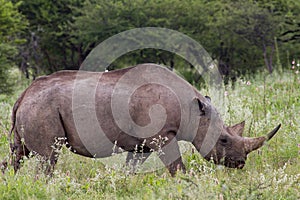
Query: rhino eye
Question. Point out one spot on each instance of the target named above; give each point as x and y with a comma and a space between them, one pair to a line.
224, 140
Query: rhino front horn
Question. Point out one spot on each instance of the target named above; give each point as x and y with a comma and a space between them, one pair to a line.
252, 144
273, 132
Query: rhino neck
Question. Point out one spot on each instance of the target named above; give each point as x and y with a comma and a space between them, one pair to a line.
188, 130
198, 141
207, 136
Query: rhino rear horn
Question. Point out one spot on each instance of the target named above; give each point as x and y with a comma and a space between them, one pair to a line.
237, 129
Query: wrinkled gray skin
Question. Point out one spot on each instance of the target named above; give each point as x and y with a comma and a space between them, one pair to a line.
44, 112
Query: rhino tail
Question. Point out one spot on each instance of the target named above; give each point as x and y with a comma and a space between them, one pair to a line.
4, 163
13, 143
14, 113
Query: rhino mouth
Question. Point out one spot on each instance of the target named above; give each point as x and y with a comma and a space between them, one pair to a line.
239, 164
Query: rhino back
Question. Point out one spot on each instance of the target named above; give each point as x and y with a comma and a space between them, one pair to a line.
46, 111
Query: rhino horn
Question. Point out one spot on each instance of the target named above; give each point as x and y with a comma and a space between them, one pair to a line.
273, 132
237, 129
252, 144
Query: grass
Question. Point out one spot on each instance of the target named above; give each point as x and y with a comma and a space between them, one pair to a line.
273, 172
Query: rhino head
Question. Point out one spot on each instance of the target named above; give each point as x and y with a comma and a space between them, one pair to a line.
229, 147
232, 148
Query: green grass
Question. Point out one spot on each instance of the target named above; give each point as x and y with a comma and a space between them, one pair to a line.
273, 172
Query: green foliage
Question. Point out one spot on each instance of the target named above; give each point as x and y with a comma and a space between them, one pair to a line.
11, 25
242, 32
49, 47
240, 35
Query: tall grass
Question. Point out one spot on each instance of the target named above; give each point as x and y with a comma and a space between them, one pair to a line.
273, 172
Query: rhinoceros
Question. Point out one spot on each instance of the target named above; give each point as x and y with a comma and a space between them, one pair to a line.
131, 108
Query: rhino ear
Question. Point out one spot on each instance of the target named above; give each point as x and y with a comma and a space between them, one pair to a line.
208, 98
237, 129
200, 106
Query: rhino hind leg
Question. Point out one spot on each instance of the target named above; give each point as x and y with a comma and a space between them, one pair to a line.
18, 151
3, 166
49, 156
44, 141
48, 163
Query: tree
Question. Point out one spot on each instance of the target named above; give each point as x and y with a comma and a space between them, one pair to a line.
241, 34
289, 35
11, 25
49, 45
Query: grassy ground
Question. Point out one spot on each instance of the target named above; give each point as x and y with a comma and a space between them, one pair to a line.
273, 172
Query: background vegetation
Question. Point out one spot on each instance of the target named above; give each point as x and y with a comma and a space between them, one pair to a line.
244, 36
256, 45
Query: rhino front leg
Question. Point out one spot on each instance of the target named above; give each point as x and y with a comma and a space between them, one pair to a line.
171, 157
133, 160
